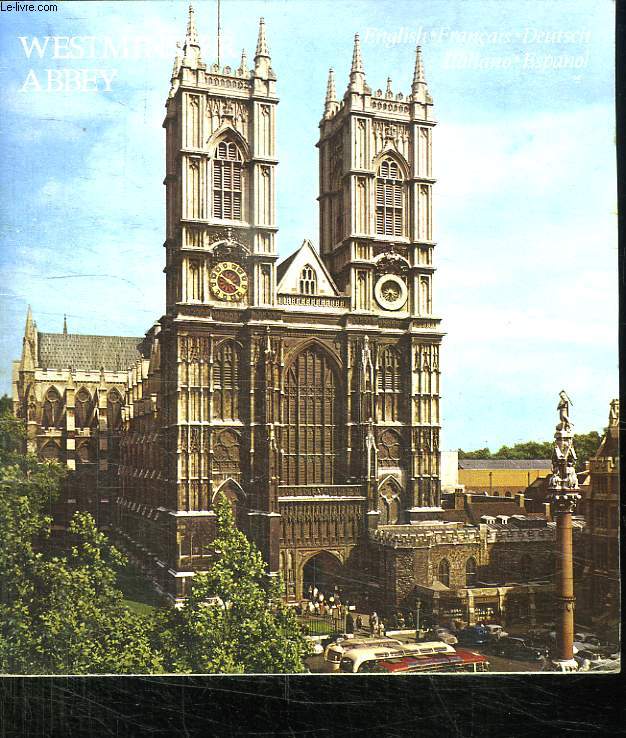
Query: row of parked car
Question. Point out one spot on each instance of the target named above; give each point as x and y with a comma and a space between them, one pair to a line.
536, 646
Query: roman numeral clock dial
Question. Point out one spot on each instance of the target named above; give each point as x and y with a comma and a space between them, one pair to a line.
228, 281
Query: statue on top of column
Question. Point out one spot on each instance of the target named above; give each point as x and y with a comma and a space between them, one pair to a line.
564, 478
563, 408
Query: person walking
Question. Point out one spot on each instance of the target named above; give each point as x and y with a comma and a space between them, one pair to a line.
373, 623
359, 622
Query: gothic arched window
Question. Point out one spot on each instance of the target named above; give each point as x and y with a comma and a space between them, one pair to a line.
227, 177
389, 504
526, 567
443, 573
114, 410
470, 572
389, 384
309, 420
389, 199
226, 381
82, 409
52, 409
308, 281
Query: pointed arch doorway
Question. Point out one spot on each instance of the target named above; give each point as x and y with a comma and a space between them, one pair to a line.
324, 571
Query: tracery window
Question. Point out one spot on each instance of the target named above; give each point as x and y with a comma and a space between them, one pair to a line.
52, 407
443, 573
82, 409
226, 452
389, 448
470, 572
389, 504
309, 422
389, 384
389, 199
308, 281
227, 176
226, 381
114, 410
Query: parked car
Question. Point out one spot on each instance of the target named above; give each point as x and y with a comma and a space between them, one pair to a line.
495, 631
518, 649
443, 634
587, 642
475, 635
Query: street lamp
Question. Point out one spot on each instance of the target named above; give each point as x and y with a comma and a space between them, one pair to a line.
418, 606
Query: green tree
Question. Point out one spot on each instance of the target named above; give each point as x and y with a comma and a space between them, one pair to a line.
586, 445
62, 614
233, 620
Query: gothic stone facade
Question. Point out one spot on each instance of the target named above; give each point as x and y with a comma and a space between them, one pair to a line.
70, 390
306, 392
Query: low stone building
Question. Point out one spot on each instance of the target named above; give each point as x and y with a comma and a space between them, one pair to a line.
503, 477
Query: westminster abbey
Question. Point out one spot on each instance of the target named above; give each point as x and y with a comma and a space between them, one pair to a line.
304, 391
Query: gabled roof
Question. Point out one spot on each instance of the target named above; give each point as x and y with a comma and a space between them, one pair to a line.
522, 464
288, 271
64, 350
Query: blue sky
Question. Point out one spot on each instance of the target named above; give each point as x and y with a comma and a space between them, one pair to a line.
524, 155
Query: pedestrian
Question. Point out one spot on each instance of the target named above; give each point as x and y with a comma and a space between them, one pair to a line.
359, 622
381, 629
349, 623
310, 590
311, 607
320, 597
315, 591
373, 623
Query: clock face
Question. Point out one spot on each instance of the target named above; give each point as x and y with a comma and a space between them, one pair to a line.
390, 292
228, 281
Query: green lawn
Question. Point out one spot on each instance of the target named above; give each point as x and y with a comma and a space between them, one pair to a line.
139, 594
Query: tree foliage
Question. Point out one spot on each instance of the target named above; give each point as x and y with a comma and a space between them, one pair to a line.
586, 445
58, 614
234, 620
64, 614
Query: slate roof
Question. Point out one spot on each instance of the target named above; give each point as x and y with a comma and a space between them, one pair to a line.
64, 350
505, 464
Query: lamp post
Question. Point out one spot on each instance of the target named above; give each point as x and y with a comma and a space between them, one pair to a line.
563, 493
418, 606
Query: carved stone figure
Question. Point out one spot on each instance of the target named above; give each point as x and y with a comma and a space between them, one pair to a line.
563, 408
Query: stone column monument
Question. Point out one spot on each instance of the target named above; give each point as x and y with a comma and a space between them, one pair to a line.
564, 495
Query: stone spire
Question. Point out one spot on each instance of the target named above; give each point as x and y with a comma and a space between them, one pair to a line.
389, 92
29, 343
262, 61
330, 106
419, 89
357, 72
261, 44
191, 49
65, 325
243, 67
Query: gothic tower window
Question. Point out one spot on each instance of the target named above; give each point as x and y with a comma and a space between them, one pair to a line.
389, 504
389, 384
52, 409
389, 199
82, 410
443, 573
227, 176
470, 572
308, 281
226, 382
310, 419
